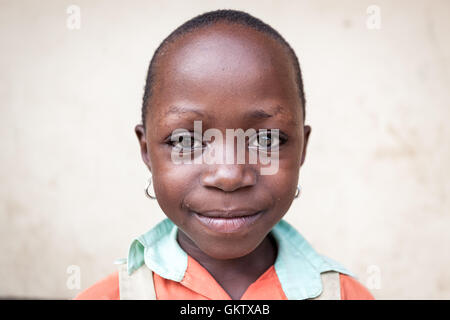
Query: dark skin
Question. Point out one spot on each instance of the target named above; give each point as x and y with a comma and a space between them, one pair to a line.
224, 72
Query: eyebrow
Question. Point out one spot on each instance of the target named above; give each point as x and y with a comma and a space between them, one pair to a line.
179, 109
256, 114
261, 113
253, 114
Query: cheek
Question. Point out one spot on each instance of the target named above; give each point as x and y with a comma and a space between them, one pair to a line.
283, 184
168, 179
171, 184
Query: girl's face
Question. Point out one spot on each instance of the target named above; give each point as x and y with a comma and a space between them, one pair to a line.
229, 77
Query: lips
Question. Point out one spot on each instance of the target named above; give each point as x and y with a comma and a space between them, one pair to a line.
228, 221
228, 213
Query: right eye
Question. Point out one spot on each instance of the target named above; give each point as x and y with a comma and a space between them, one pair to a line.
185, 142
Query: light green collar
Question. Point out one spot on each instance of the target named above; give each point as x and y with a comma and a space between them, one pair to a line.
297, 265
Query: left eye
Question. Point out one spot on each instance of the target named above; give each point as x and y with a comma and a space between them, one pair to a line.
265, 139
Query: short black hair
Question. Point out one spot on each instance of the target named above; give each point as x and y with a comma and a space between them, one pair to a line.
211, 18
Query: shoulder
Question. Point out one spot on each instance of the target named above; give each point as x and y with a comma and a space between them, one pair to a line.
105, 289
352, 289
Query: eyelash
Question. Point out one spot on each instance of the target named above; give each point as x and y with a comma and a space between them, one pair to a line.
281, 136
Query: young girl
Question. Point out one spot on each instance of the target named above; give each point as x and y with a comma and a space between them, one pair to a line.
224, 237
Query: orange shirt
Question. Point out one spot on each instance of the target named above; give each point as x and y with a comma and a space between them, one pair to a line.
198, 284
295, 274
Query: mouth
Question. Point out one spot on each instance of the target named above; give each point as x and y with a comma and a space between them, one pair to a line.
227, 221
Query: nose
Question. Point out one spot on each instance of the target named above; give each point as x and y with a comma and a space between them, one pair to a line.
224, 174
228, 177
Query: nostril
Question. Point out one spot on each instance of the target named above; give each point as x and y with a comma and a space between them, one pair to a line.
228, 178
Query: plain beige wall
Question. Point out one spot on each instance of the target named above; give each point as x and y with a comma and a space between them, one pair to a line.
376, 179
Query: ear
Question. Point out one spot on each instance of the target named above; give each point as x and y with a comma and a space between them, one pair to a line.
140, 133
306, 133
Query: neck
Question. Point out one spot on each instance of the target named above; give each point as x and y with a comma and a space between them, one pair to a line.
245, 270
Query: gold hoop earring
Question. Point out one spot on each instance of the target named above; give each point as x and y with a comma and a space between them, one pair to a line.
147, 193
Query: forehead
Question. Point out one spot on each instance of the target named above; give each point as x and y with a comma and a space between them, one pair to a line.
224, 71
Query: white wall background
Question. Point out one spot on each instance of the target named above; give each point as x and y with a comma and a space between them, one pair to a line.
375, 183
